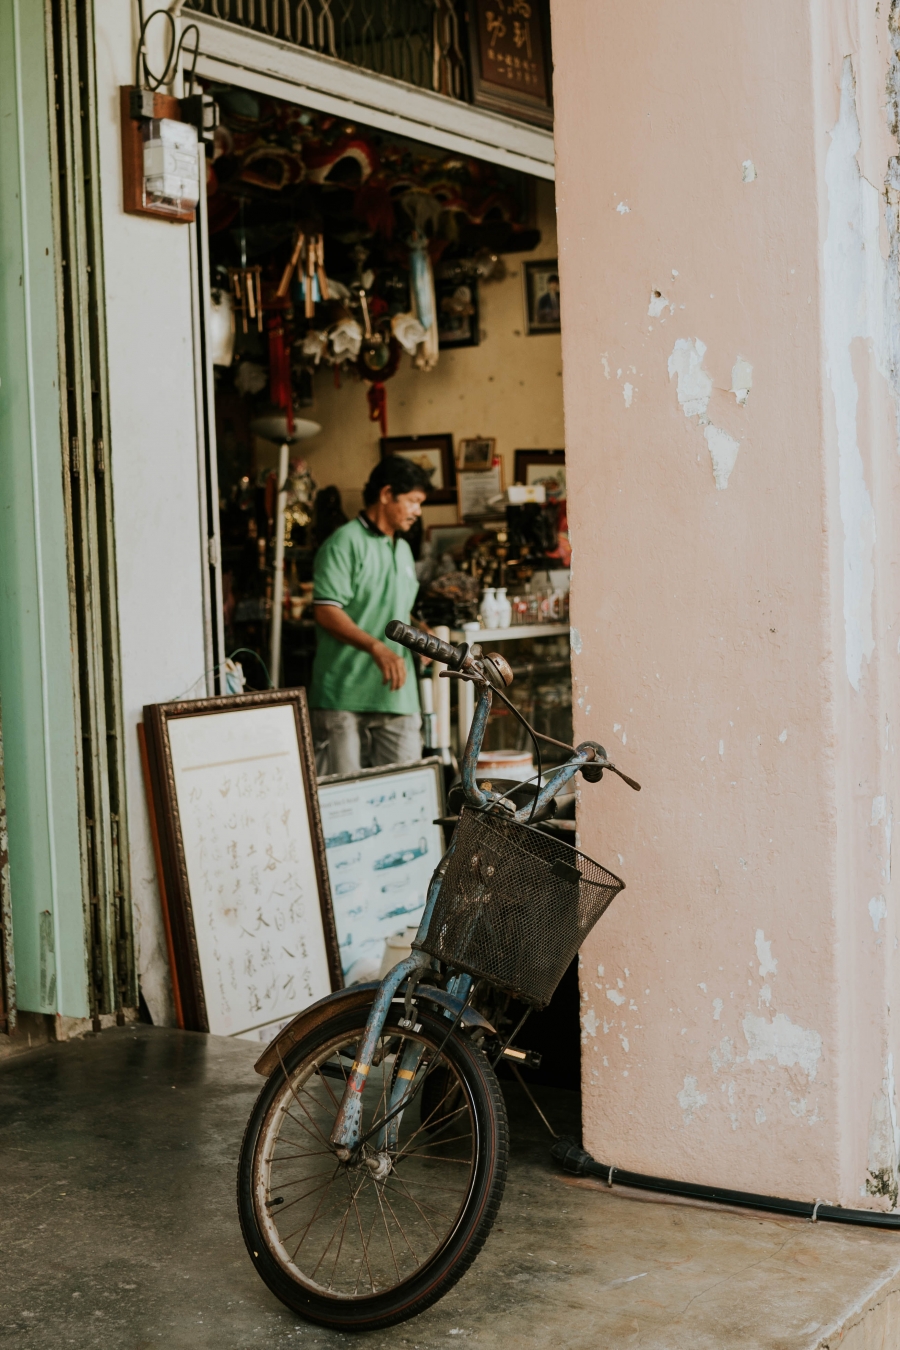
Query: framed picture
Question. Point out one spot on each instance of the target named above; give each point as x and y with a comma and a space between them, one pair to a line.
241, 859
457, 311
476, 454
510, 58
441, 539
382, 848
478, 493
434, 454
544, 467
542, 296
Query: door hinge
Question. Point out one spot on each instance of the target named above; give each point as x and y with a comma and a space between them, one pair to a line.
73, 447
99, 463
212, 551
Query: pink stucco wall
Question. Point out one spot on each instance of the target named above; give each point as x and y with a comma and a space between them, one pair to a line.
724, 224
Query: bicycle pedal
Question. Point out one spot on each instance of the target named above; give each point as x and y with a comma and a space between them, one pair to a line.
523, 1059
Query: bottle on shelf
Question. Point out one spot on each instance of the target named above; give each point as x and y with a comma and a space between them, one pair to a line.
504, 608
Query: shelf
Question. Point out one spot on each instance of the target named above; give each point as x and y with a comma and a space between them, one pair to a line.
524, 630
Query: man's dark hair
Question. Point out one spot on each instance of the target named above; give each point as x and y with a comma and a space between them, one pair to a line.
399, 474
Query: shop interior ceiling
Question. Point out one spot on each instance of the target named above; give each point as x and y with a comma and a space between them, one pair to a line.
368, 221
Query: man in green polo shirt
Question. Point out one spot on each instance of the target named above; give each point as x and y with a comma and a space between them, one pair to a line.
364, 697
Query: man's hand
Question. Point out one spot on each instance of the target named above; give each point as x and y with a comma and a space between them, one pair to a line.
392, 667
341, 626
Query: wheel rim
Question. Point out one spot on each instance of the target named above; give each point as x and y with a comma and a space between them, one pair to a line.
354, 1231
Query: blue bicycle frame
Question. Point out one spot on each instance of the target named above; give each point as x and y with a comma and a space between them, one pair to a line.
346, 1134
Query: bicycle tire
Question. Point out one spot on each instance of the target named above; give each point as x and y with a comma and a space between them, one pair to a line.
453, 1256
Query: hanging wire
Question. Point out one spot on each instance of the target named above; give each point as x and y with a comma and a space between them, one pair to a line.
154, 82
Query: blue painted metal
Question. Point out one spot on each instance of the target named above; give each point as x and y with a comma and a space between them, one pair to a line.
345, 1135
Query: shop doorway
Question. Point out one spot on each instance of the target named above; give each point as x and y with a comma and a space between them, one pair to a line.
374, 295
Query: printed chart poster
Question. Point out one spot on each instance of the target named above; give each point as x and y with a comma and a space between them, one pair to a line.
382, 849
249, 855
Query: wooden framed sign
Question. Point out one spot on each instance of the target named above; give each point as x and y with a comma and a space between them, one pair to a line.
509, 43
382, 847
241, 856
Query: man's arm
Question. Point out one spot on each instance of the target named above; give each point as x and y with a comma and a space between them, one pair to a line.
339, 624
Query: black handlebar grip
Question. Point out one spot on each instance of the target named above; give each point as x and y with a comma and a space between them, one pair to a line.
426, 644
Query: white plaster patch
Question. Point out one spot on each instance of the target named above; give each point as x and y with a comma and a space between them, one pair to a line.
784, 1041
575, 640
854, 306
589, 1022
741, 380
783, 737
627, 393
694, 383
760, 1116
615, 997
765, 995
623, 209
690, 1099
748, 171
877, 910
718, 1005
658, 304
722, 1055
768, 965
723, 451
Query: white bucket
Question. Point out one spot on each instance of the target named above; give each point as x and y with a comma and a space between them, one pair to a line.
396, 948
515, 764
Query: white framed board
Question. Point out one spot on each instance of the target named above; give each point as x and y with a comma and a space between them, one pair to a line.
241, 860
382, 846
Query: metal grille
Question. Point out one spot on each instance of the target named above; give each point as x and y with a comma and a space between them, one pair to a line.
417, 41
515, 905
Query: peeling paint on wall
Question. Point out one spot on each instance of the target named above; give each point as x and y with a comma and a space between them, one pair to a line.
694, 383
690, 1099
723, 451
877, 910
853, 307
784, 1041
768, 964
741, 380
748, 171
884, 1139
694, 390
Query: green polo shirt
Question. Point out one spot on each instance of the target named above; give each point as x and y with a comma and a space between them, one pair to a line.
372, 578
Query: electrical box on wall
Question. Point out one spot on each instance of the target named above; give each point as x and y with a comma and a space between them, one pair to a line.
161, 138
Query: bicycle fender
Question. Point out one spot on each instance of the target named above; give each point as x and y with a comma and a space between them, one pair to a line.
358, 995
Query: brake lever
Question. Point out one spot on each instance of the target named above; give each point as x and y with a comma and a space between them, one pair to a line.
624, 776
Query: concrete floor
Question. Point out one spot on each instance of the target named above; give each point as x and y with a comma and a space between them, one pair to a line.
118, 1230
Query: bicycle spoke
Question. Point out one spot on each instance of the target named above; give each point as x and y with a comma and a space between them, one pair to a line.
399, 1221
400, 1226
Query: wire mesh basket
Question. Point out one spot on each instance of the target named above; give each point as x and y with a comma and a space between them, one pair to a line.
515, 905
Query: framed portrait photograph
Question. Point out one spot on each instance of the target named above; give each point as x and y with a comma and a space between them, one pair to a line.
476, 454
434, 454
542, 314
382, 847
544, 468
457, 311
240, 854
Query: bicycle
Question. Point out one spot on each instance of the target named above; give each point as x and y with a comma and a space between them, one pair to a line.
375, 1158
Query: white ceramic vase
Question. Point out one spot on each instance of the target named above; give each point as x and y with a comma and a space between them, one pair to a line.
489, 609
504, 608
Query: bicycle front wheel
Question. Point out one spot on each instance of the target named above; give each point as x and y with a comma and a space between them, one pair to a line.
365, 1244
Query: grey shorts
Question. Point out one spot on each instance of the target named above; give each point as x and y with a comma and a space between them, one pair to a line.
348, 741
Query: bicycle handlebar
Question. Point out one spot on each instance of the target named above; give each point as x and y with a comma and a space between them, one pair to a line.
426, 644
